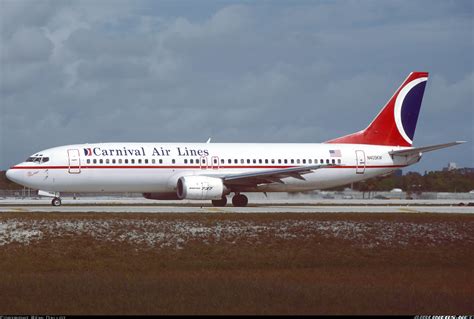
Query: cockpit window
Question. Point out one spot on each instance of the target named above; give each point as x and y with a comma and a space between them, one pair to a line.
37, 159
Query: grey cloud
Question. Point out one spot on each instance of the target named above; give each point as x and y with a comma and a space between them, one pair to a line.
103, 70
26, 46
26, 14
90, 44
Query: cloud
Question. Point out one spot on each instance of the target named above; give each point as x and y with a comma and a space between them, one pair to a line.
27, 46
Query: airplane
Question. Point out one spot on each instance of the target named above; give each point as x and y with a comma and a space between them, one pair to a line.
211, 171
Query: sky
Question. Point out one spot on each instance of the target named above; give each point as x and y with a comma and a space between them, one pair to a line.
90, 71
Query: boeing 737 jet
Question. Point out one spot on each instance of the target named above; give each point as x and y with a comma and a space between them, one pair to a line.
211, 171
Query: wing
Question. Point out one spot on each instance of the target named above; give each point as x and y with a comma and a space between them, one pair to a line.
269, 176
424, 149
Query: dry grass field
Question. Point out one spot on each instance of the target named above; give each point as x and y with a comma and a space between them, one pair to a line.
72, 263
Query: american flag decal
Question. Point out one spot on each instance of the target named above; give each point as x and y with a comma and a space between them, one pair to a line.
335, 153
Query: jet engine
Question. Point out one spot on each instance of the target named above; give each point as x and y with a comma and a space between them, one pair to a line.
200, 187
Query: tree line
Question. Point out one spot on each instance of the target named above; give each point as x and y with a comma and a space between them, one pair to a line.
455, 181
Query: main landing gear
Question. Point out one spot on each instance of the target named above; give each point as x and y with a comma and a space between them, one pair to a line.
238, 200
220, 202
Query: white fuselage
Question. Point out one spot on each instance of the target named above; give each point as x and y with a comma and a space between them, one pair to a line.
156, 167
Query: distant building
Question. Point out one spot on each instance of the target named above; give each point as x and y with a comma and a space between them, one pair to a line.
451, 167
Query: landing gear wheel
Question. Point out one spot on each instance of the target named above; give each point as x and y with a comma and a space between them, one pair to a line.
240, 200
56, 201
220, 202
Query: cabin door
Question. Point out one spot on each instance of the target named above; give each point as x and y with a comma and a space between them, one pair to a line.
360, 162
74, 161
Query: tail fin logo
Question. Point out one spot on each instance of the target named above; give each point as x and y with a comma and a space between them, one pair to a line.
406, 115
396, 122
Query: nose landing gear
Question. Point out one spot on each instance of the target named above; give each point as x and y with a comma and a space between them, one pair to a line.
56, 201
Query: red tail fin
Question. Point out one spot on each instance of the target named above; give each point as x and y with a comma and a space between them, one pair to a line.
396, 122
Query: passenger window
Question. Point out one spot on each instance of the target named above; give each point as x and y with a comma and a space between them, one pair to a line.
215, 161
229, 161
279, 161
266, 161
292, 161
242, 161
260, 161
107, 161
339, 161
153, 161
173, 161
285, 161
185, 161
321, 161
146, 161
197, 161
120, 161
191, 161
334, 161
126, 161
160, 161
88, 161
222, 161
95, 161
327, 161
248, 161
273, 161
310, 161
254, 161
101, 161
304, 161
298, 161
132, 161
113, 161
236, 161
139, 161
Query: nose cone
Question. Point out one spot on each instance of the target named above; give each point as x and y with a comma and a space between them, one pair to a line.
12, 175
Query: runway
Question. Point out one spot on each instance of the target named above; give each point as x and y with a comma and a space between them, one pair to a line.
143, 206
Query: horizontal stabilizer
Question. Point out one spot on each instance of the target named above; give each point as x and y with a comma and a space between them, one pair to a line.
423, 149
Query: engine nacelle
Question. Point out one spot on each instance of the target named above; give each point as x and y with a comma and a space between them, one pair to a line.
161, 196
200, 187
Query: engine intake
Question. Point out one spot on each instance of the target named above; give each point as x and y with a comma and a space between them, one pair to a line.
200, 187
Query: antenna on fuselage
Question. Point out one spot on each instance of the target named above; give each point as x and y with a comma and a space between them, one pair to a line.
209, 140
